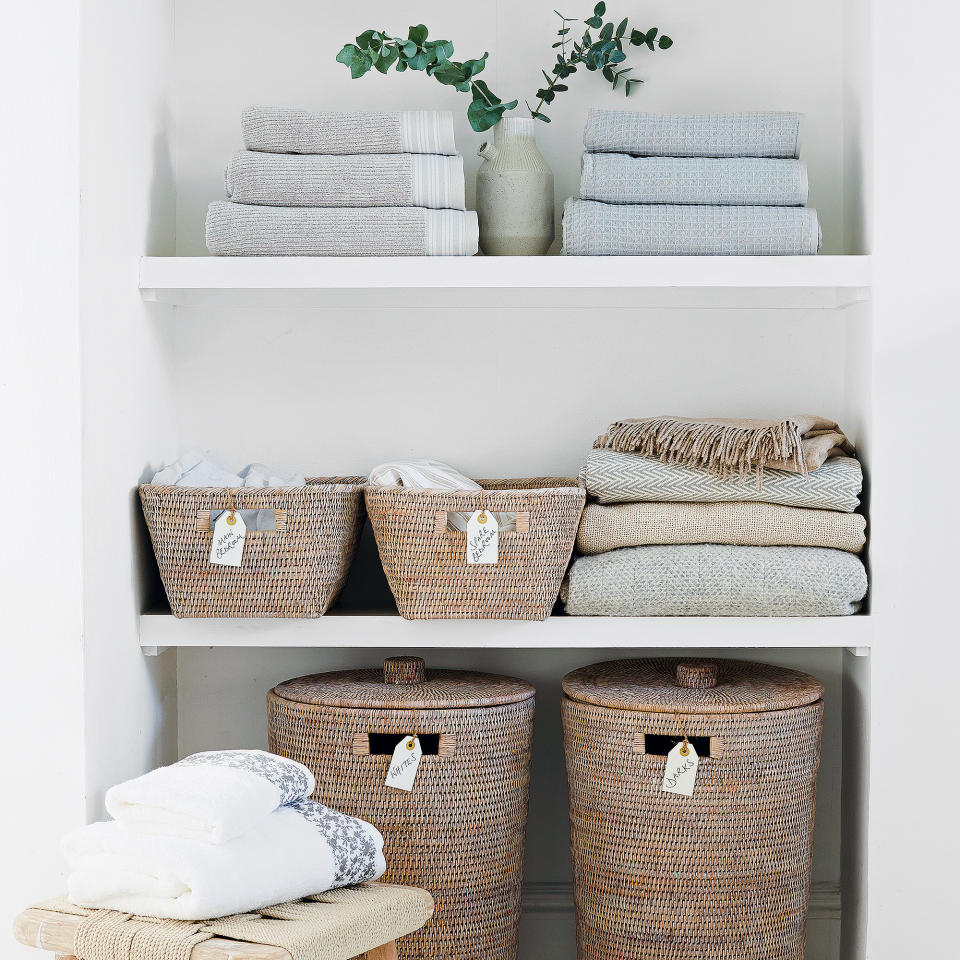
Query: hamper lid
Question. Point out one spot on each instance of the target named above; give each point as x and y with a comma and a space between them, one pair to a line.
405, 683
674, 685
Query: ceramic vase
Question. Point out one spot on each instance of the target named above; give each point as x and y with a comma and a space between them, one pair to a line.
514, 192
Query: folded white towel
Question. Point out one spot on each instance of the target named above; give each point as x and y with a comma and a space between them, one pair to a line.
209, 797
434, 475
204, 469
298, 850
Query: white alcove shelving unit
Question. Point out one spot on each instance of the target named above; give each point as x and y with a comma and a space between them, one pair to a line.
332, 365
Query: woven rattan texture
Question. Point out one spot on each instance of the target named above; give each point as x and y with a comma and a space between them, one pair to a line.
651, 685
108, 935
428, 571
441, 690
722, 874
295, 572
459, 833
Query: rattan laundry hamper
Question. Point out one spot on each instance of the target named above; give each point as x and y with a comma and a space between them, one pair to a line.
426, 564
296, 570
460, 832
724, 873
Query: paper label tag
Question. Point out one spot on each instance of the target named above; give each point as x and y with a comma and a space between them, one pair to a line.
680, 773
483, 534
229, 533
404, 764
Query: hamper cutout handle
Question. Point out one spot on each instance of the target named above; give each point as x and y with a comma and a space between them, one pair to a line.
697, 674
402, 671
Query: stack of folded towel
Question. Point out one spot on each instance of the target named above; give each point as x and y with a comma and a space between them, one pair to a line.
664, 185
344, 184
719, 518
216, 834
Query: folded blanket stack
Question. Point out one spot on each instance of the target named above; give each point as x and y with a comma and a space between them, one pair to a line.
719, 518
218, 833
672, 185
344, 184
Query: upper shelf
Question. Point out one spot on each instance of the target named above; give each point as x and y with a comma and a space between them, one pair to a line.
601, 282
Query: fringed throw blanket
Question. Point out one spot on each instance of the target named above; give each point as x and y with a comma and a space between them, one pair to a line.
604, 528
611, 477
239, 229
706, 580
293, 130
724, 447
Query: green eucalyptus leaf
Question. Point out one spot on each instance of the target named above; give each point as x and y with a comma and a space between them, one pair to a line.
387, 57
618, 56
401, 66
607, 32
560, 87
463, 87
600, 9
360, 65
473, 67
608, 73
559, 43
444, 50
638, 38
593, 22
478, 116
363, 41
450, 73
537, 115
622, 27
418, 34
409, 49
664, 43
420, 62
347, 54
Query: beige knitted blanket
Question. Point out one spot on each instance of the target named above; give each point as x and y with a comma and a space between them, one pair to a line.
335, 925
724, 447
604, 528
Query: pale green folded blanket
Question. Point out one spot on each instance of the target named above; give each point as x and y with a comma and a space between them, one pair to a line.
613, 477
707, 580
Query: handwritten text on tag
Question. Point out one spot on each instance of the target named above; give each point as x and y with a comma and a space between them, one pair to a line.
680, 773
229, 533
404, 764
483, 534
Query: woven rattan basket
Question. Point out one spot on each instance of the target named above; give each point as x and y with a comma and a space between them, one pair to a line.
426, 563
724, 873
460, 832
296, 570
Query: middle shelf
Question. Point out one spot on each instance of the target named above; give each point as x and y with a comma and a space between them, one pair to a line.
160, 629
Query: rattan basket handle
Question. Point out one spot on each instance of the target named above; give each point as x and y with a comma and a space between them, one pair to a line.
697, 674
403, 670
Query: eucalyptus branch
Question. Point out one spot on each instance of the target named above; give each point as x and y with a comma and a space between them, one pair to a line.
378, 49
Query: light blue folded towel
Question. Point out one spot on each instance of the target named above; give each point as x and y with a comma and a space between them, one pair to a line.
681, 135
753, 181
606, 229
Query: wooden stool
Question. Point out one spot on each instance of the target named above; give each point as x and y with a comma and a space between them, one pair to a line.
53, 930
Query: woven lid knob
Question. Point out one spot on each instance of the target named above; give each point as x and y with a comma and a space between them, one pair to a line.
403, 670
697, 674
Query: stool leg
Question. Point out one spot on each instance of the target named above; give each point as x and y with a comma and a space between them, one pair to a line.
387, 952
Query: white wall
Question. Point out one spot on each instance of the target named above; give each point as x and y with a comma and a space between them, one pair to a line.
736, 55
126, 164
41, 683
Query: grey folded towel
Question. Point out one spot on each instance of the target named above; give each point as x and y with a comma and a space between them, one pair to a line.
294, 130
751, 181
605, 229
613, 477
366, 180
680, 135
238, 229
707, 580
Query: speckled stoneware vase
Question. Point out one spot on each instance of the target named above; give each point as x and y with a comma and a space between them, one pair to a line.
514, 193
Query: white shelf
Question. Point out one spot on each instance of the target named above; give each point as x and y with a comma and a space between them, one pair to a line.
161, 630
498, 281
